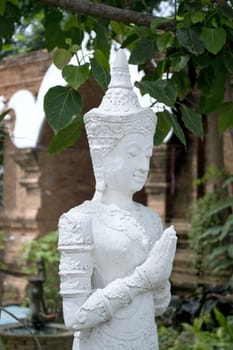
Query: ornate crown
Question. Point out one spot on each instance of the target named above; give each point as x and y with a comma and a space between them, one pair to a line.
119, 113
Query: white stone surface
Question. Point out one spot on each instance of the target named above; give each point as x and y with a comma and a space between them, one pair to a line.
115, 257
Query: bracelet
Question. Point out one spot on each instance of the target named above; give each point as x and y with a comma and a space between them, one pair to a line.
143, 275
106, 305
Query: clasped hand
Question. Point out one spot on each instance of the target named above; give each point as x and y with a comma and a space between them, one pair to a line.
158, 266
154, 271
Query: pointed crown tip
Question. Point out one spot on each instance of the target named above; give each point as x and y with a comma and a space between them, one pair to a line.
121, 59
120, 76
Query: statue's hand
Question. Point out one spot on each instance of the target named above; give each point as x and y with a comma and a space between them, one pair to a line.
158, 266
92, 312
102, 305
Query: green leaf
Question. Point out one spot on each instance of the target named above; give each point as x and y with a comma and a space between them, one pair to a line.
61, 58
192, 120
214, 39
100, 74
156, 22
212, 231
160, 69
228, 224
226, 11
222, 321
179, 62
202, 60
182, 82
76, 75
3, 114
67, 136
6, 27
171, 119
162, 128
118, 27
101, 60
216, 252
191, 40
177, 129
62, 105
230, 251
229, 24
54, 37
218, 207
75, 35
225, 116
70, 22
129, 40
228, 181
2, 7
228, 61
164, 41
162, 90
101, 40
197, 17
143, 51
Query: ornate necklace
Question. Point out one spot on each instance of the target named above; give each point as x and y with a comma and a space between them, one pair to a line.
122, 220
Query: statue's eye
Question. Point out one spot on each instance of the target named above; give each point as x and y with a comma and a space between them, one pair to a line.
133, 151
132, 154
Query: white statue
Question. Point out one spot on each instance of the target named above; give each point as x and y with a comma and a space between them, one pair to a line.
115, 258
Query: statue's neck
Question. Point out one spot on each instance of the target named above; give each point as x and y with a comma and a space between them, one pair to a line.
121, 200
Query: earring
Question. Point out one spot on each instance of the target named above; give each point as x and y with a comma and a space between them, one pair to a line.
97, 160
100, 186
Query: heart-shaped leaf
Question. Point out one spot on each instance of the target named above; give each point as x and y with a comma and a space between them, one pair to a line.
62, 105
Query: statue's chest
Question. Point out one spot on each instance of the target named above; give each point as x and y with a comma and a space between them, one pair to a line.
121, 242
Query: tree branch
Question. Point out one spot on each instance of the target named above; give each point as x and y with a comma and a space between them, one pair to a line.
105, 11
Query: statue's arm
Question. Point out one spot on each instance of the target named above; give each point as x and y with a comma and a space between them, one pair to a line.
151, 275
75, 246
162, 297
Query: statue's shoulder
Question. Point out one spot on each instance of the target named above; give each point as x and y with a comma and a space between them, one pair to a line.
153, 215
152, 218
82, 212
149, 213
75, 225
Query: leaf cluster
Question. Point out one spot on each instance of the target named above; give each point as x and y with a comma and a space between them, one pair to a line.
211, 233
201, 334
194, 58
197, 57
45, 248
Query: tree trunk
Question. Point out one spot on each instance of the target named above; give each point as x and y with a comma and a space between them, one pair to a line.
215, 151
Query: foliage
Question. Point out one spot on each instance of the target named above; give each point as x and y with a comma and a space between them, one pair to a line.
200, 224
46, 248
211, 232
195, 45
202, 334
204, 299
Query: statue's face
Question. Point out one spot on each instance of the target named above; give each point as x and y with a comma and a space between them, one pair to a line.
126, 167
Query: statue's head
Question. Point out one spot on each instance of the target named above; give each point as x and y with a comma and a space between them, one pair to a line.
119, 129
